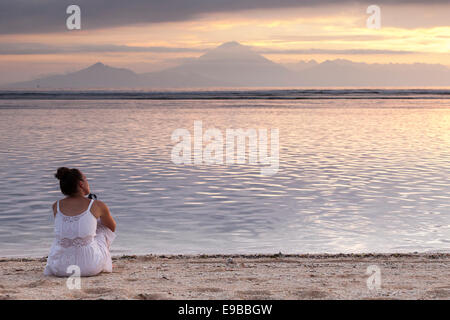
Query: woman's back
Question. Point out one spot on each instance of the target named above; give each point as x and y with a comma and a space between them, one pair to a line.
80, 240
82, 235
75, 229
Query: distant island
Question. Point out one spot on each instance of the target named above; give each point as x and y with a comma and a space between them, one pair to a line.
234, 65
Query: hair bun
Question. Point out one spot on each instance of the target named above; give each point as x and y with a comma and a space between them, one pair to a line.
62, 172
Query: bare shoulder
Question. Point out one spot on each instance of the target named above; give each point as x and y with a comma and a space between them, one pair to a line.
54, 208
99, 207
100, 204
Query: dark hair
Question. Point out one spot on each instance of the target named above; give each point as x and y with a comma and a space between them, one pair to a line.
68, 180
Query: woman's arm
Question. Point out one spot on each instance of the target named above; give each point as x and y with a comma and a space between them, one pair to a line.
105, 216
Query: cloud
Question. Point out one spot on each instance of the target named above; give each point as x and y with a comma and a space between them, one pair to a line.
40, 48
340, 37
333, 51
25, 16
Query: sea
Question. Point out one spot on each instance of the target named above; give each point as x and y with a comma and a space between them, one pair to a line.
358, 170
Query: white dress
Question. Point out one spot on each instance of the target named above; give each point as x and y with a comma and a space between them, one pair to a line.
80, 240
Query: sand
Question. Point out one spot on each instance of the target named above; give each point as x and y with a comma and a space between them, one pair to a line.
403, 276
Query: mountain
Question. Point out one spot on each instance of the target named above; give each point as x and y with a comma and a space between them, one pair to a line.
229, 65
179, 78
235, 65
96, 76
345, 73
301, 65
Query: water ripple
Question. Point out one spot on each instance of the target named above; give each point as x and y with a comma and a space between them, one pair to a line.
352, 177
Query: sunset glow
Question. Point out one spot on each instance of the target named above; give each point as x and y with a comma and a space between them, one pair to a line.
409, 34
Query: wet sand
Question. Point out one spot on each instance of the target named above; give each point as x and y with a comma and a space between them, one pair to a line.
322, 276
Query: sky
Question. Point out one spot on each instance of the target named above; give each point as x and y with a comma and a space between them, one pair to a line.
146, 36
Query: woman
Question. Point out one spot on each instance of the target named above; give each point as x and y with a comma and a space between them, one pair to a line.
84, 229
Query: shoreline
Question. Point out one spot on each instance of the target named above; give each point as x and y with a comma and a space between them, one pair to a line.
431, 254
250, 255
239, 276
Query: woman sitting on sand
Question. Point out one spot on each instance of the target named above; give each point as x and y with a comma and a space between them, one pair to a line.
84, 229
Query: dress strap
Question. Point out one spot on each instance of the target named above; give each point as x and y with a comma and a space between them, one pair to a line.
57, 206
90, 204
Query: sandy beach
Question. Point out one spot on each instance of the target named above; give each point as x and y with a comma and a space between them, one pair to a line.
322, 276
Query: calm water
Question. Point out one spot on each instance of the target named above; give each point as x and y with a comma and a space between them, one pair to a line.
355, 175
